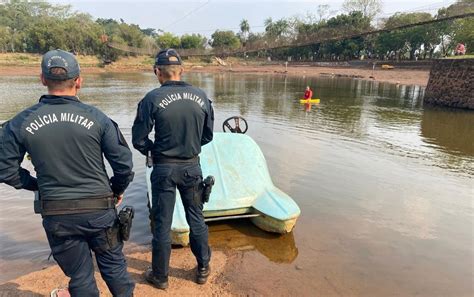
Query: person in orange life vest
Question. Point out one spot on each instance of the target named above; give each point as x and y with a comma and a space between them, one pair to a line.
308, 93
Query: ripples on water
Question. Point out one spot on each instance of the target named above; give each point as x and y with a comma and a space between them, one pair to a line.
380, 179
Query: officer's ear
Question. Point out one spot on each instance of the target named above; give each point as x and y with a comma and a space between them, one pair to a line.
43, 80
78, 82
159, 75
157, 72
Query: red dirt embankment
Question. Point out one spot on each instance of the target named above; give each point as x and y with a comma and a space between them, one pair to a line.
400, 76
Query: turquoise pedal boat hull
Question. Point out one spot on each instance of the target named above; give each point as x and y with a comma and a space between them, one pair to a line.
243, 188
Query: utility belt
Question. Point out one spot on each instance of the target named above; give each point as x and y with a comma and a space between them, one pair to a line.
118, 233
72, 206
164, 159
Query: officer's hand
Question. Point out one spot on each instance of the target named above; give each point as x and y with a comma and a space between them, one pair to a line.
119, 200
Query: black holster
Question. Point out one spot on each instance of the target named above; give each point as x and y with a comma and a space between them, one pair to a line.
207, 185
203, 190
125, 222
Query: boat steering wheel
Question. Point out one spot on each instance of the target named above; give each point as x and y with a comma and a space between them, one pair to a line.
237, 127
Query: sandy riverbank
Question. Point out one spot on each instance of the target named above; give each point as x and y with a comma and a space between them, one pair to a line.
400, 76
181, 282
27, 64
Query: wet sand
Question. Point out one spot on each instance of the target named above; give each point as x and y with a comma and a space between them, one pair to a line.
181, 282
397, 76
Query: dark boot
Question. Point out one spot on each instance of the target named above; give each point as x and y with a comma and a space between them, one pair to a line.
203, 274
160, 283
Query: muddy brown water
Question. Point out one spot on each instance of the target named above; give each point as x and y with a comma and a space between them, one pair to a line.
385, 185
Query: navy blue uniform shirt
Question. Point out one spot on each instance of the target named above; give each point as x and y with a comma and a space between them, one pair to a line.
67, 141
182, 116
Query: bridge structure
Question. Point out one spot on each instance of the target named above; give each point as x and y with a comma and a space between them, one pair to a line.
322, 36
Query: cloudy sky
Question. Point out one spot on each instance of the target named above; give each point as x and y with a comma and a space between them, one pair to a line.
205, 16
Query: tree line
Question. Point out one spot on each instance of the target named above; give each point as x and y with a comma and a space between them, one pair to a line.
39, 26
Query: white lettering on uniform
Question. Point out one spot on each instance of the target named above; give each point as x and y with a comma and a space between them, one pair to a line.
48, 119
177, 96
38, 124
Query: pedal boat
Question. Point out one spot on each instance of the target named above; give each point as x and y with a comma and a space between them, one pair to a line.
243, 188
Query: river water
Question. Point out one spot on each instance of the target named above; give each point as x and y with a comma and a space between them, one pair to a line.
385, 185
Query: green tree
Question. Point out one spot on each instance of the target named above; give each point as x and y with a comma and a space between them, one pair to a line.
195, 41
149, 32
244, 31
5, 39
343, 24
408, 40
131, 34
224, 40
85, 37
462, 29
45, 35
22, 16
167, 40
276, 29
464, 33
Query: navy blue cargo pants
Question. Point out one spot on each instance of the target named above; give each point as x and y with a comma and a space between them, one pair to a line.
164, 179
73, 236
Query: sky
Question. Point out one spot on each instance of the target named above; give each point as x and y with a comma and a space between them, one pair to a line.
205, 16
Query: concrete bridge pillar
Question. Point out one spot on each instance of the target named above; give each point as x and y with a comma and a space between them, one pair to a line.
451, 83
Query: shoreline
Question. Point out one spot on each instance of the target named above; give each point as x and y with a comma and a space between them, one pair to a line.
181, 279
400, 76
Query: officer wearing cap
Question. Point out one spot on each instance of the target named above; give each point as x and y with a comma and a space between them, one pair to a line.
66, 140
183, 119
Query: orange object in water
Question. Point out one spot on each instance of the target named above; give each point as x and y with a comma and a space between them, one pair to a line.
308, 93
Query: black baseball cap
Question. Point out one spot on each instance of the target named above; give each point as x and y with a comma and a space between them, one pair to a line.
168, 57
60, 59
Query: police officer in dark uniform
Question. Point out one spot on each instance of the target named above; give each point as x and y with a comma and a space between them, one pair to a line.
183, 119
66, 140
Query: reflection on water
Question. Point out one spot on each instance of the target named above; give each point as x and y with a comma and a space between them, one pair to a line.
384, 184
450, 131
243, 236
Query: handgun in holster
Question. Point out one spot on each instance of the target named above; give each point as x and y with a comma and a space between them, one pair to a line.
125, 222
207, 185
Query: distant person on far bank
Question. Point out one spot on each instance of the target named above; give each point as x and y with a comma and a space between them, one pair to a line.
67, 140
460, 49
308, 93
183, 119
